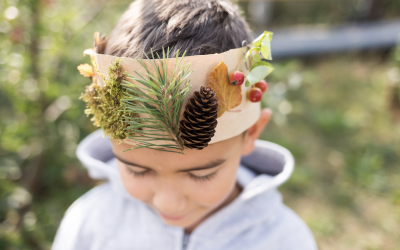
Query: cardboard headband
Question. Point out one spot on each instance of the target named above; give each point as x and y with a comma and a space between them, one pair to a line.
172, 103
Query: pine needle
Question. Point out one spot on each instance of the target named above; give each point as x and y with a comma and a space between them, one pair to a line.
161, 100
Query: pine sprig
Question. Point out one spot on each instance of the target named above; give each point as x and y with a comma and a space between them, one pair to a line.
161, 102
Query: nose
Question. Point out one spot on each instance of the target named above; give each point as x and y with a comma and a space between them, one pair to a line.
169, 198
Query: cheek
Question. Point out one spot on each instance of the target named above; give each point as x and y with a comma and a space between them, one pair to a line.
138, 187
213, 192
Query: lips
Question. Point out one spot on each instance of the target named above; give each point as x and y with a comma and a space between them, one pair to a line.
168, 217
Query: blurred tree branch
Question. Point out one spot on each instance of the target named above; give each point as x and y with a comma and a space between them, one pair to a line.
33, 166
86, 16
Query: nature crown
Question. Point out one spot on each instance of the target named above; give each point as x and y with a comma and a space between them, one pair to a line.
168, 104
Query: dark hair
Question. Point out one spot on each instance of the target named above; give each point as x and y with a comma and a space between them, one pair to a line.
198, 27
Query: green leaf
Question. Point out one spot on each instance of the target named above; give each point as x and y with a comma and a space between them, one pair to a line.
248, 53
256, 58
261, 63
266, 46
260, 68
257, 74
257, 41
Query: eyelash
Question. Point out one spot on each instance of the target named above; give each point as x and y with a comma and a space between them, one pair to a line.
137, 174
192, 176
202, 178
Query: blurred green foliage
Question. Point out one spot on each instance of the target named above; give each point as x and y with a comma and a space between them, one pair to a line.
339, 117
42, 120
338, 114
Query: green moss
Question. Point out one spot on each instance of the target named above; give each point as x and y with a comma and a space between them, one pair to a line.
105, 105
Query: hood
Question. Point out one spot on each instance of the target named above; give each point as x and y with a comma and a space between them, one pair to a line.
270, 161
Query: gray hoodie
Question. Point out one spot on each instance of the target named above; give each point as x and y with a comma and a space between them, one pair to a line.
107, 217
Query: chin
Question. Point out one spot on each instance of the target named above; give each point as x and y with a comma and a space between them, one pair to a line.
177, 223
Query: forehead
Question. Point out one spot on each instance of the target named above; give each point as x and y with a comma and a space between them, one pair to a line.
174, 161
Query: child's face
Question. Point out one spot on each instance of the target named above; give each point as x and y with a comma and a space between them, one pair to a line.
182, 189
186, 189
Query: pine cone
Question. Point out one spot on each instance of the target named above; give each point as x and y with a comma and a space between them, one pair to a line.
200, 119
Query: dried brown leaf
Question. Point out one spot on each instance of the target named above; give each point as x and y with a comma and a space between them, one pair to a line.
86, 70
229, 96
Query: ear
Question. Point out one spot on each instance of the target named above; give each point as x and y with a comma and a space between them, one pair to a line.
255, 131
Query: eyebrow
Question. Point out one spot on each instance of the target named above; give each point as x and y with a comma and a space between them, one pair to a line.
211, 164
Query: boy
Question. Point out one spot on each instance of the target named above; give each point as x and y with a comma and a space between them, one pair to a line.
208, 197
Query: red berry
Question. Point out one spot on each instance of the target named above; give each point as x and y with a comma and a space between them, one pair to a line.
255, 95
236, 78
262, 85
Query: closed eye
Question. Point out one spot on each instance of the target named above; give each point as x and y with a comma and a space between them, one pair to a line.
137, 173
203, 178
